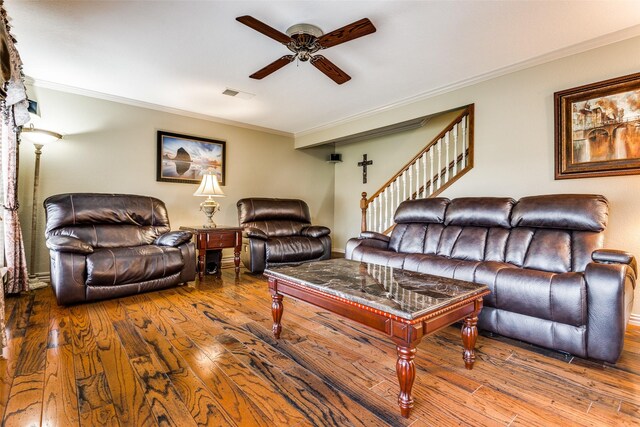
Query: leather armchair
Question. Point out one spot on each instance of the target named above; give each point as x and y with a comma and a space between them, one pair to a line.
279, 232
110, 245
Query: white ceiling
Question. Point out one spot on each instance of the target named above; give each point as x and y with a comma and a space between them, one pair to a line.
183, 54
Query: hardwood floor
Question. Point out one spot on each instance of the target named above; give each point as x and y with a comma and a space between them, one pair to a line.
204, 355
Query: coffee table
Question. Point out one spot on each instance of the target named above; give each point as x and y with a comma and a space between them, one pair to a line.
402, 304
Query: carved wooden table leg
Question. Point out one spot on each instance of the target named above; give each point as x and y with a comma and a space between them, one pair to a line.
406, 370
201, 259
276, 312
469, 336
236, 260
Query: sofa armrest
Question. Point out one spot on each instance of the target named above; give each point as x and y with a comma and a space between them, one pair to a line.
609, 302
174, 238
68, 244
375, 236
315, 231
254, 233
612, 256
355, 243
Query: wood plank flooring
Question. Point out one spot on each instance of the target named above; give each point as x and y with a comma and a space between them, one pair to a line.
204, 354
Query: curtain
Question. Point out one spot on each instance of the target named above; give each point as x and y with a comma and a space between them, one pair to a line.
14, 114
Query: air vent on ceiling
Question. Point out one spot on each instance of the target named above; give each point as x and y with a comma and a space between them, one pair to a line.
238, 94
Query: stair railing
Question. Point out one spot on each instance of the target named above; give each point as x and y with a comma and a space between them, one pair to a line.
438, 165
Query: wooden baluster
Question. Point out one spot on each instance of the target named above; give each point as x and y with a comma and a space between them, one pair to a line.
439, 161
410, 181
424, 181
417, 178
380, 223
455, 149
386, 209
374, 225
431, 150
363, 208
446, 154
404, 178
464, 141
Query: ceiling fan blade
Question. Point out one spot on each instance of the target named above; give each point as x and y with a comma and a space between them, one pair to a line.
330, 69
263, 28
348, 32
274, 66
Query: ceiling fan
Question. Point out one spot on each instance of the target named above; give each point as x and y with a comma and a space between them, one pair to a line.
304, 40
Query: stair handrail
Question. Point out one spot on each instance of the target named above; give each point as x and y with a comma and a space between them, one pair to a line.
467, 111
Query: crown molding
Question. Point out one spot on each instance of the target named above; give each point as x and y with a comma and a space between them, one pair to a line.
607, 39
151, 106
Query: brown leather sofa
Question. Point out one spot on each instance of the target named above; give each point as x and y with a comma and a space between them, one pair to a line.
111, 245
279, 232
551, 282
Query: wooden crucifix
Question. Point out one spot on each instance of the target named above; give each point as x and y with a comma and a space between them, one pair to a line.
364, 163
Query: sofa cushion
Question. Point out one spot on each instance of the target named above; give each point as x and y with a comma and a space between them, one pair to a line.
65, 210
277, 228
540, 249
415, 238
111, 235
293, 249
426, 211
487, 274
379, 256
116, 266
583, 212
257, 209
557, 297
441, 266
480, 211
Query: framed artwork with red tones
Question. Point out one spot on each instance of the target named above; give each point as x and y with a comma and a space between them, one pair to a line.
597, 129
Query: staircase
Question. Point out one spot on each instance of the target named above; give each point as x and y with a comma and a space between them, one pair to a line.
438, 165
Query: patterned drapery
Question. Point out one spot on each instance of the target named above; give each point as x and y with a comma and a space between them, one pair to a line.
14, 115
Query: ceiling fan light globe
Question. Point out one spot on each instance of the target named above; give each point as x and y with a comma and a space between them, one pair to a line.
304, 29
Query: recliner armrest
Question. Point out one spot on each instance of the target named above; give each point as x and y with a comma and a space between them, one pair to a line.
315, 231
375, 236
612, 256
68, 244
173, 238
254, 233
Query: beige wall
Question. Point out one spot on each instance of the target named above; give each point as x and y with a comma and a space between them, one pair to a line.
514, 143
111, 147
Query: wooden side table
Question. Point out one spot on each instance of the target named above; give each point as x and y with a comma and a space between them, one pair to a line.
216, 238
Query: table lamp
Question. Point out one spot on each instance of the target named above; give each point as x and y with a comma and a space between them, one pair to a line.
209, 187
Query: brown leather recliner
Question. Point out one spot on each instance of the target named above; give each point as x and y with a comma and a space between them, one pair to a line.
279, 232
111, 245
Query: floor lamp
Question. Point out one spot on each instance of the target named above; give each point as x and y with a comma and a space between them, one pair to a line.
39, 138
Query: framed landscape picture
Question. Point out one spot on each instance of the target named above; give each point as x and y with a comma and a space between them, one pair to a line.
597, 129
184, 158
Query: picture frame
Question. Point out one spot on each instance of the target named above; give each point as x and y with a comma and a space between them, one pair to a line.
184, 158
597, 129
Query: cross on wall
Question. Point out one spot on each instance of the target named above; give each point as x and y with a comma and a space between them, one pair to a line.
363, 164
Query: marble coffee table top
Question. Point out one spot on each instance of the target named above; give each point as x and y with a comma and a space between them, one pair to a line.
405, 294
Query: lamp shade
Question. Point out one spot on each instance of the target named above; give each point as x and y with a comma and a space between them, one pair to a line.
209, 186
40, 136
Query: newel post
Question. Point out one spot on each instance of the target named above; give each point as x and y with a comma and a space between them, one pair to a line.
363, 207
